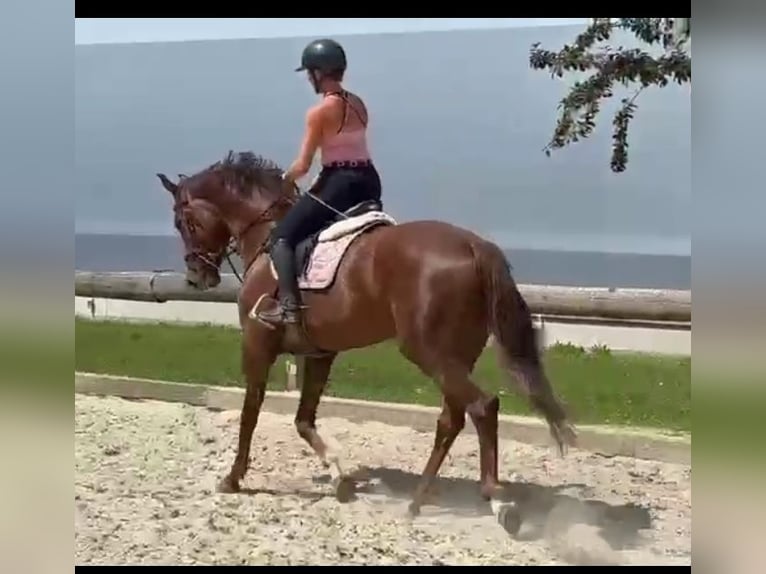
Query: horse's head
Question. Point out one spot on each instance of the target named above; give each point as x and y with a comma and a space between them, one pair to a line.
202, 228
243, 194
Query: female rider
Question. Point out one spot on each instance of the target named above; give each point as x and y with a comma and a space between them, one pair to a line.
337, 125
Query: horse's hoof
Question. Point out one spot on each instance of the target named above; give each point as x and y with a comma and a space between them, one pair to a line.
509, 517
490, 492
345, 490
413, 510
228, 486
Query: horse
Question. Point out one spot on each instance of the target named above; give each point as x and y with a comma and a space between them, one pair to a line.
437, 289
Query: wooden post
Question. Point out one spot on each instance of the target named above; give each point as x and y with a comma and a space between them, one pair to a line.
538, 324
295, 368
291, 370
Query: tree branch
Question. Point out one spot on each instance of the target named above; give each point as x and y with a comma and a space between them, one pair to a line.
579, 109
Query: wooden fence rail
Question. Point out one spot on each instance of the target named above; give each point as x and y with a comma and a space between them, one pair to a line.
592, 303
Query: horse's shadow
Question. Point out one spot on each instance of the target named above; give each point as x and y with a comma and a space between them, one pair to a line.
545, 511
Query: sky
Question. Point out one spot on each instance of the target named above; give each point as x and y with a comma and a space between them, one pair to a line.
126, 30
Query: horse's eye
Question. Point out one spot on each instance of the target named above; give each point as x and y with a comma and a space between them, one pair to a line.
191, 226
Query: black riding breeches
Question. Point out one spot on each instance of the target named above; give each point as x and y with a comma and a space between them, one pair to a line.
340, 187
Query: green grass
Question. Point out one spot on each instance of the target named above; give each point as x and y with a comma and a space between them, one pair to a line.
600, 387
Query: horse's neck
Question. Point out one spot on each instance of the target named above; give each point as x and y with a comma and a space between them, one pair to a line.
241, 217
238, 215
251, 237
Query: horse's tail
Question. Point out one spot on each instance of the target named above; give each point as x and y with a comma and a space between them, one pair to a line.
515, 340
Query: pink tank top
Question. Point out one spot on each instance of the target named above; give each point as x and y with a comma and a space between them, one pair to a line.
346, 145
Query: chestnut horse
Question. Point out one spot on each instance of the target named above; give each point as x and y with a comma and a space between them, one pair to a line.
437, 289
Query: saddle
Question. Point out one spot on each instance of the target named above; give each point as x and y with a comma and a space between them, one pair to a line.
318, 256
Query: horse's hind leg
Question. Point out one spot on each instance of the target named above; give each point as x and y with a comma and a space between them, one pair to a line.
257, 358
483, 410
317, 371
448, 426
484, 414
461, 395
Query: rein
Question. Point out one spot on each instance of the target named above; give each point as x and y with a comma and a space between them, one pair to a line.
233, 242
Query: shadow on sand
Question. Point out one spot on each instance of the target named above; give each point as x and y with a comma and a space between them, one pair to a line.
545, 511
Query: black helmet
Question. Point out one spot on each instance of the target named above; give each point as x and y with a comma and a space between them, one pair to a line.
324, 56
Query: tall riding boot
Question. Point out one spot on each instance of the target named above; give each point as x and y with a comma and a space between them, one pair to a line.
288, 310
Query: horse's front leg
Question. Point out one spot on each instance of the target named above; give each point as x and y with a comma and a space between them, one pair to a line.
316, 372
257, 358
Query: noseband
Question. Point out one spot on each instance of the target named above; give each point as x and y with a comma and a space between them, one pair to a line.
209, 258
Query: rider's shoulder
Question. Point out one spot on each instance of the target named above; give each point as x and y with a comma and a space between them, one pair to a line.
354, 95
316, 113
362, 102
357, 101
328, 107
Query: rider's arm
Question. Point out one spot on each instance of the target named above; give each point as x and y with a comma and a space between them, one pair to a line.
311, 139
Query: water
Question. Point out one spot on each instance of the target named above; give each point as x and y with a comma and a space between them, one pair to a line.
573, 268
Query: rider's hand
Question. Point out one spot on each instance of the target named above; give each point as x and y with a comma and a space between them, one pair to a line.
288, 185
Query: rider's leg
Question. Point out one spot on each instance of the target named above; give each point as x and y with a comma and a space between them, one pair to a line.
283, 256
339, 188
305, 218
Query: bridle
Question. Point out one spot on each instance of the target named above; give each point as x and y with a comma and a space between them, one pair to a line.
209, 258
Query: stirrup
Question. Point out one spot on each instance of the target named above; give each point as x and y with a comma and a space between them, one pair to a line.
291, 316
281, 314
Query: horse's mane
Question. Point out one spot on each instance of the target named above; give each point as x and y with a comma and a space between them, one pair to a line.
245, 171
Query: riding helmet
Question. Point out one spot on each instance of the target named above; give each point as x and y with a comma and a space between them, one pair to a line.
323, 55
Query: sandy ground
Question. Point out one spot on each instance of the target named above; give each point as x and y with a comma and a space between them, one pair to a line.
145, 493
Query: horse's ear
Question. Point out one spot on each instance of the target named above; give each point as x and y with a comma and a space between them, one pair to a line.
182, 176
167, 184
